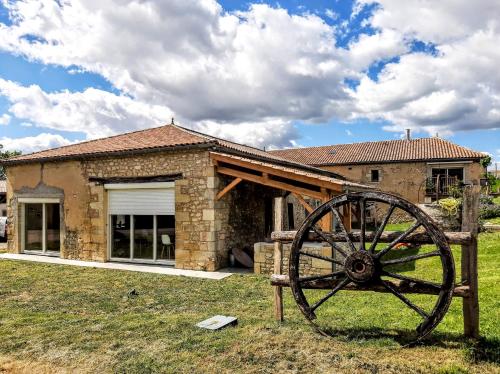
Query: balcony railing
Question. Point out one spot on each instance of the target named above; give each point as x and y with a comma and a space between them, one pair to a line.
439, 186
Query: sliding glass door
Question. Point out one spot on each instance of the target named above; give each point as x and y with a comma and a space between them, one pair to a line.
42, 231
142, 238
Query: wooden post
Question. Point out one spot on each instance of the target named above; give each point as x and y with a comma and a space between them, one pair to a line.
278, 257
470, 223
327, 221
347, 216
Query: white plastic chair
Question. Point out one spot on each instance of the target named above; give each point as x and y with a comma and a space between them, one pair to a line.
166, 243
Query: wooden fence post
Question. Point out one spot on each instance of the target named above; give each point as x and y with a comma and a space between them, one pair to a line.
470, 223
278, 257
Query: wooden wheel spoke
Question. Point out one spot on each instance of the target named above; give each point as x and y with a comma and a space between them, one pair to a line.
320, 257
398, 239
404, 299
343, 229
419, 282
329, 240
322, 276
410, 258
337, 288
381, 228
362, 208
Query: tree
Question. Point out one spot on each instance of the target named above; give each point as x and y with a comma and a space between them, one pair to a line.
5, 155
485, 161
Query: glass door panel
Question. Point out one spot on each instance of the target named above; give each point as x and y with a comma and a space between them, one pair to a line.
165, 237
120, 236
33, 227
53, 222
143, 237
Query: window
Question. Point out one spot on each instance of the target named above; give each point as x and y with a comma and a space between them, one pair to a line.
142, 237
375, 175
41, 227
444, 180
141, 221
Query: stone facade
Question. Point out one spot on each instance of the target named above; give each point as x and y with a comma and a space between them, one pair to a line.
205, 228
406, 179
264, 259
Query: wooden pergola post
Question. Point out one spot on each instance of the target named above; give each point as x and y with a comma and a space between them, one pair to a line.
278, 257
470, 223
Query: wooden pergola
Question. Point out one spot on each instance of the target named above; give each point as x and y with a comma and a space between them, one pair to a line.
302, 184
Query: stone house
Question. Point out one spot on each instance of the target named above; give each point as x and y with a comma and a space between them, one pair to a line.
420, 170
166, 195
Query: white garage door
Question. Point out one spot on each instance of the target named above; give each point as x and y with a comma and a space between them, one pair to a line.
146, 199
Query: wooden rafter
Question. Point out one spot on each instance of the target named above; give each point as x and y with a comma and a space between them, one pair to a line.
303, 202
268, 182
269, 171
228, 188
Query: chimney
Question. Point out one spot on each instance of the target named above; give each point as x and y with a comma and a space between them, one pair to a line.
408, 134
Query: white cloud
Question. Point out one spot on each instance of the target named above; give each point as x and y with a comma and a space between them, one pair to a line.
4, 119
259, 69
348, 132
95, 112
377, 47
203, 63
272, 134
34, 143
458, 88
441, 21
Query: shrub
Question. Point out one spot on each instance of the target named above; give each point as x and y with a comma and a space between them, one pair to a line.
488, 208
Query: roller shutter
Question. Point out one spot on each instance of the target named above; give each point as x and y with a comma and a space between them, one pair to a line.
148, 201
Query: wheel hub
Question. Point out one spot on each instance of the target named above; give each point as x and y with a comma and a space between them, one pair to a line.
360, 267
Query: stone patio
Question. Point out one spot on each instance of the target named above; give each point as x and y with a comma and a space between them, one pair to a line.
157, 269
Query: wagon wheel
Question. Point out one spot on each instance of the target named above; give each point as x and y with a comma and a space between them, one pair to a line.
363, 264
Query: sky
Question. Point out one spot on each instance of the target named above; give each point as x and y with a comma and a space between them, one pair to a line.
265, 73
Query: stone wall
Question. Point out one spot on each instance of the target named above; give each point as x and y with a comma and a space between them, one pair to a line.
264, 259
403, 179
199, 238
241, 214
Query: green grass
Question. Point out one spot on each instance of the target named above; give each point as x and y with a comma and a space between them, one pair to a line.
495, 221
56, 317
496, 200
398, 226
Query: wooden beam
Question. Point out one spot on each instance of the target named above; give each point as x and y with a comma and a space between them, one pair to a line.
347, 216
337, 187
470, 219
228, 188
303, 202
268, 182
386, 237
401, 286
326, 221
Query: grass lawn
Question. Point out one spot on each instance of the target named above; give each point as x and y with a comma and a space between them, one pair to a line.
495, 221
496, 200
62, 318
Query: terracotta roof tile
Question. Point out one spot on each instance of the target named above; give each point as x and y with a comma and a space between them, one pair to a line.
383, 151
158, 138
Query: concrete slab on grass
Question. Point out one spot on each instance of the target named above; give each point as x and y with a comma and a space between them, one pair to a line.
217, 322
